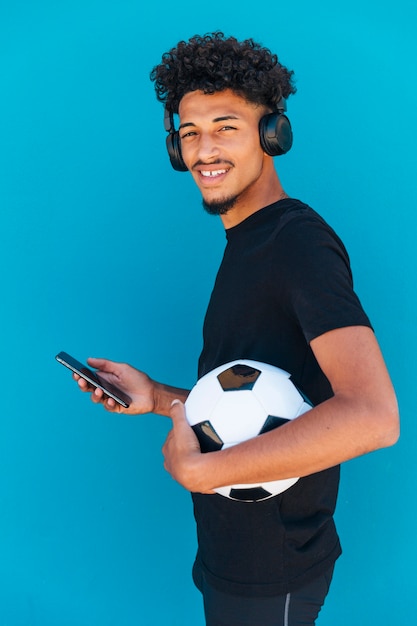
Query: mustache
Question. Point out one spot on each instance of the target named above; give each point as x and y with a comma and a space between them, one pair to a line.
200, 163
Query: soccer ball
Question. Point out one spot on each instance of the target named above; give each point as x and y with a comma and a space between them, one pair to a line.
238, 401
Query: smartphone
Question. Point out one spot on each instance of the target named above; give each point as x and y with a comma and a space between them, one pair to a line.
94, 379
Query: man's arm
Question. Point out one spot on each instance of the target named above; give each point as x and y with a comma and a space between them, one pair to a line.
362, 416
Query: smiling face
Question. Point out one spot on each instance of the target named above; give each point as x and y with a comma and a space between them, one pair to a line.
220, 145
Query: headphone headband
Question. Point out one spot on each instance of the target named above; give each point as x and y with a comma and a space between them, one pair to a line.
282, 105
169, 121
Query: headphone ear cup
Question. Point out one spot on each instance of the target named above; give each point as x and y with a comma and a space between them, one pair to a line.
275, 134
174, 152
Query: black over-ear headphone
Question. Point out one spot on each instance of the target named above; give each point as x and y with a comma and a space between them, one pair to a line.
173, 143
275, 135
275, 132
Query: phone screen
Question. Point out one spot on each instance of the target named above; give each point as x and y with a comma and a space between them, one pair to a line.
93, 378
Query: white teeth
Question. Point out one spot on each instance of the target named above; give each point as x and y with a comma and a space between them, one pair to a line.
213, 173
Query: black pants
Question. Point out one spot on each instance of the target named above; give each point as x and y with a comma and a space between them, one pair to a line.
299, 608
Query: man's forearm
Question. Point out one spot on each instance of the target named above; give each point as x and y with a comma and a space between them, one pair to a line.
164, 395
332, 433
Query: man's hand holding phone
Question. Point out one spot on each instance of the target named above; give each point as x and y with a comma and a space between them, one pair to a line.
121, 388
117, 386
135, 384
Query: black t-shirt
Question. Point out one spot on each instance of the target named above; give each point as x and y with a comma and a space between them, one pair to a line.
284, 279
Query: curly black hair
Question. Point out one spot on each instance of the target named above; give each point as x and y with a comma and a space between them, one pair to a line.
212, 63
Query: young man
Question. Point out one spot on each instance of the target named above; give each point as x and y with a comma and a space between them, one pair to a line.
283, 295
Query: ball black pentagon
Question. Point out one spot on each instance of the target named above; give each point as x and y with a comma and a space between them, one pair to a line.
272, 422
238, 377
207, 437
249, 494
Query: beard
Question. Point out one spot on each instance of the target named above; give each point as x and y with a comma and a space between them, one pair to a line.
220, 207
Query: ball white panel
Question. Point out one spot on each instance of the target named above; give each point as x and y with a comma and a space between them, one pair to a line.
277, 394
203, 399
237, 407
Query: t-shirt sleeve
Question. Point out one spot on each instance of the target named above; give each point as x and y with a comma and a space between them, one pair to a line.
318, 284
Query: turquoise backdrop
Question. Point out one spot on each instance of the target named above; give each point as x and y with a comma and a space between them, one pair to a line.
105, 251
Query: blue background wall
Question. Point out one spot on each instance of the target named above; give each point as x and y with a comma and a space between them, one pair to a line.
106, 251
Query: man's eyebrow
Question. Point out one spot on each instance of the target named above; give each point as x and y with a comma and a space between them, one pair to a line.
223, 118
185, 125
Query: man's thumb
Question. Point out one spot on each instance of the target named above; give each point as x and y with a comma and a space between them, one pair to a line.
177, 411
